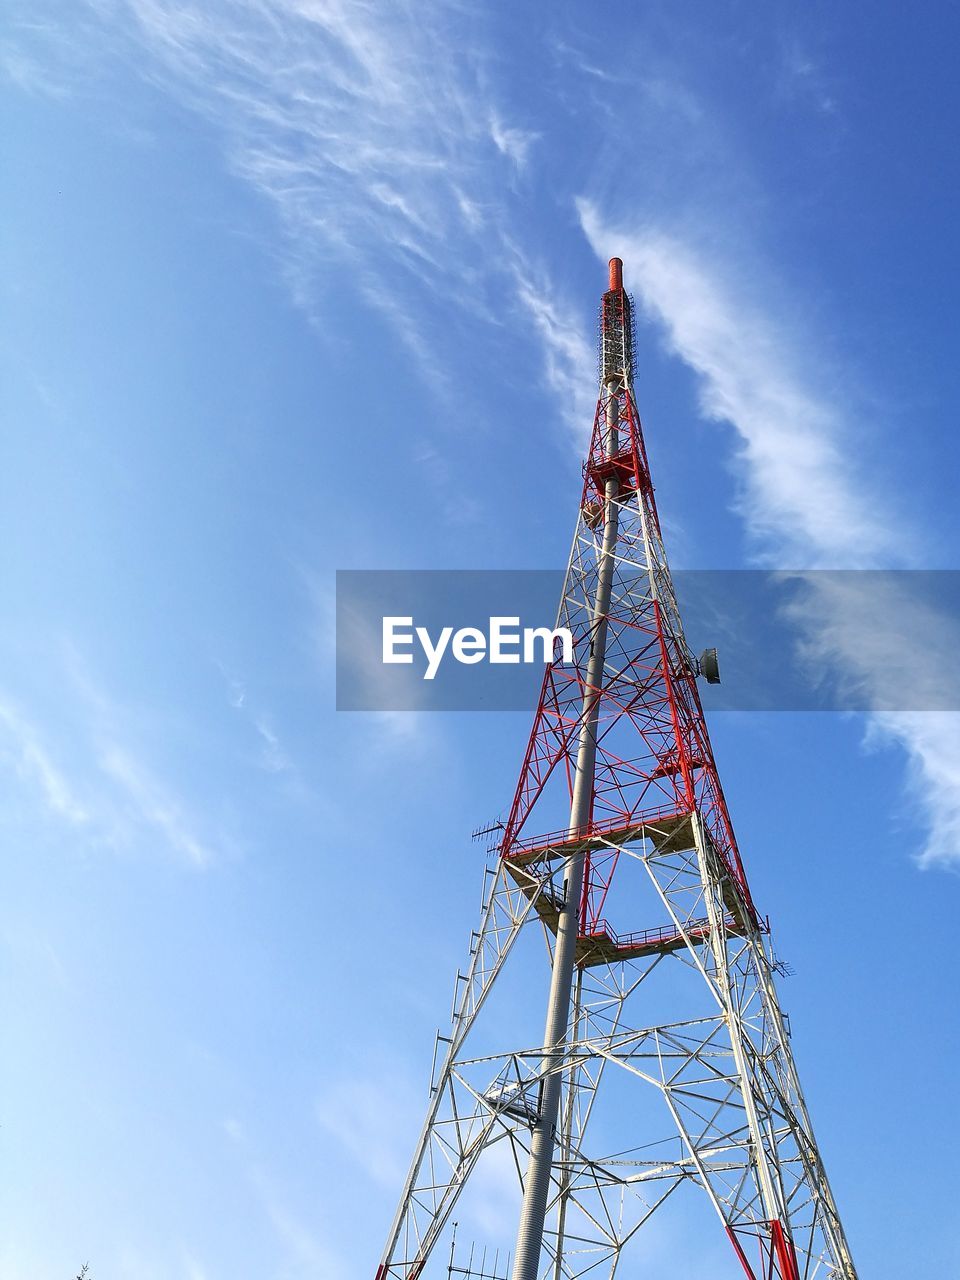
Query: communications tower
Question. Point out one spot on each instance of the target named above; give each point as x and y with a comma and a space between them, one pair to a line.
665, 1070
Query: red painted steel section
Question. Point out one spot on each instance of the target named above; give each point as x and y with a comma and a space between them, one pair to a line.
786, 1254
654, 751
778, 1256
738, 1249
682, 758
616, 273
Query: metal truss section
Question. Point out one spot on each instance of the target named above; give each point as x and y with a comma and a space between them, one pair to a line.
665, 1071
731, 1095
467, 1113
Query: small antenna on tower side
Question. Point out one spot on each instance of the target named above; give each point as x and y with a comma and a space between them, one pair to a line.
480, 832
476, 1268
498, 826
783, 967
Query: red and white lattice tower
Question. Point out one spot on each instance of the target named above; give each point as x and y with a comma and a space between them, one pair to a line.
665, 1065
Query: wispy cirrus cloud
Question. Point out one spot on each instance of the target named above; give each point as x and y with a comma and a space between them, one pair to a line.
364, 126
150, 804
806, 501
798, 502
512, 142
569, 357
272, 757
895, 649
33, 762
97, 781
803, 78
931, 741
374, 136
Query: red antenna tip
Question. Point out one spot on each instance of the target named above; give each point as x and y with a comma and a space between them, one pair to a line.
616, 273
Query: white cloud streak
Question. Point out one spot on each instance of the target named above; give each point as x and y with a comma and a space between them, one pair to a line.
100, 788
34, 764
512, 142
152, 805
892, 649
800, 503
569, 358
373, 134
362, 125
932, 743
273, 758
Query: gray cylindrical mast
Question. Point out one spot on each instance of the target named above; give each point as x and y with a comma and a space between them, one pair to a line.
537, 1186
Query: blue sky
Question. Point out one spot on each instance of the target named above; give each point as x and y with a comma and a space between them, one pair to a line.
293, 286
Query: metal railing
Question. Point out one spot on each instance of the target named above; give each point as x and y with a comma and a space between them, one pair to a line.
610, 827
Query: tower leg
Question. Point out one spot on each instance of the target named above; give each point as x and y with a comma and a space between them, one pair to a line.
458, 1127
526, 1263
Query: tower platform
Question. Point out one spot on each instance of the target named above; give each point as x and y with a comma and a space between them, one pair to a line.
667, 830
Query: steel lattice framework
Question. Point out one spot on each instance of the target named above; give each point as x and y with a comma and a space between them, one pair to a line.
708, 1098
